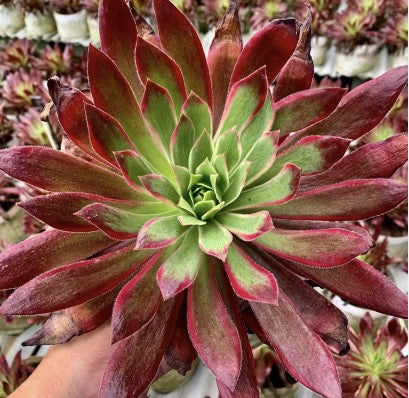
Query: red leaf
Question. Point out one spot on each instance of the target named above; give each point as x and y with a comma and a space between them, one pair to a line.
23, 261
140, 354
118, 39
298, 72
358, 283
223, 54
302, 352
211, 329
181, 42
271, 46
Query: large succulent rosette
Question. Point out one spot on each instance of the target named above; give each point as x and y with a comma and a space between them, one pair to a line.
205, 203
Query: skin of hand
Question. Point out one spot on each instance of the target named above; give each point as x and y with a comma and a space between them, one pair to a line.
71, 370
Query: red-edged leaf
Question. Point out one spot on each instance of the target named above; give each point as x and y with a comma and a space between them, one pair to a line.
181, 42
246, 226
118, 39
214, 239
160, 187
132, 166
53, 170
304, 108
156, 101
302, 352
23, 261
137, 302
245, 99
223, 54
246, 386
106, 134
63, 325
318, 248
211, 329
159, 232
199, 114
180, 269
106, 84
298, 72
145, 31
350, 200
117, 223
317, 312
362, 108
180, 352
155, 65
249, 280
139, 354
75, 283
375, 160
69, 103
182, 141
271, 46
358, 283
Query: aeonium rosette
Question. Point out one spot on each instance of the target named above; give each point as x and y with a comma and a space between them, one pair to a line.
204, 203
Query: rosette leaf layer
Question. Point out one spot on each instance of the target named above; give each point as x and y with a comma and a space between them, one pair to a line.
203, 203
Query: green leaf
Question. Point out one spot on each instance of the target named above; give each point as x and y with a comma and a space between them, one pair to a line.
201, 150
237, 183
201, 208
180, 269
279, 189
262, 156
132, 166
182, 141
186, 220
261, 123
246, 226
228, 144
213, 211
199, 113
214, 239
220, 164
184, 204
182, 178
159, 232
249, 280
158, 110
160, 187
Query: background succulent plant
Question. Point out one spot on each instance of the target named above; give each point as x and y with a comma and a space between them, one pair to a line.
65, 6
193, 212
34, 5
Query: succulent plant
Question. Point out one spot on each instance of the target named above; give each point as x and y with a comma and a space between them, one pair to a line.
197, 199
66, 6
12, 376
375, 365
55, 61
374, 7
91, 6
267, 10
23, 89
34, 5
16, 54
395, 33
30, 130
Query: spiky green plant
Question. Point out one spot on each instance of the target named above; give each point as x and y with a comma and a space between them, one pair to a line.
194, 198
375, 366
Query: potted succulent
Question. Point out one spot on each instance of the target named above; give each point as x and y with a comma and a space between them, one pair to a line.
357, 43
267, 10
92, 20
16, 54
395, 37
11, 18
71, 20
199, 214
375, 365
38, 18
323, 11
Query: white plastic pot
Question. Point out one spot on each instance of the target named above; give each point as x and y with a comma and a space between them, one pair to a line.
360, 61
93, 30
398, 58
397, 246
72, 27
11, 20
39, 25
319, 49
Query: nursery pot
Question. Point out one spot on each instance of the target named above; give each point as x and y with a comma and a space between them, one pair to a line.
319, 49
72, 27
39, 25
93, 30
11, 20
361, 60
